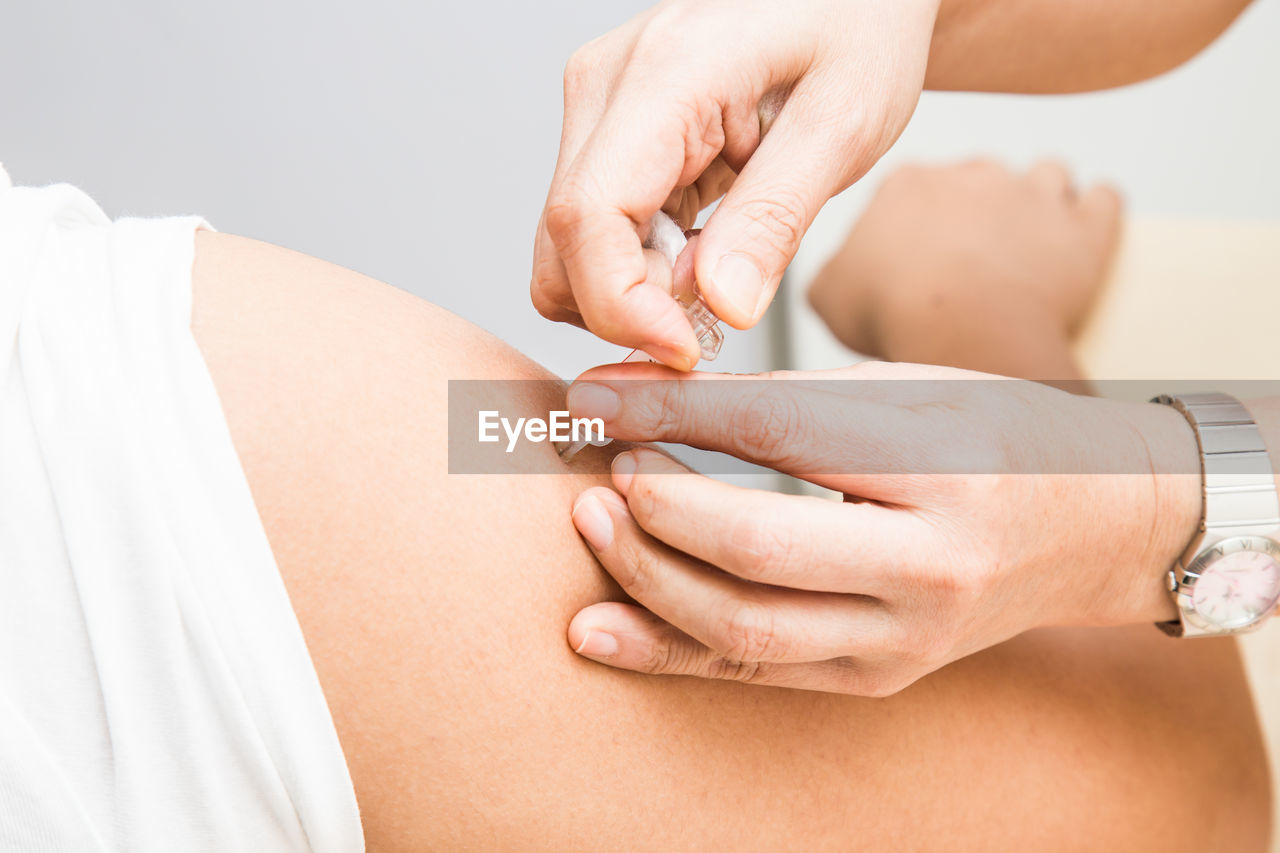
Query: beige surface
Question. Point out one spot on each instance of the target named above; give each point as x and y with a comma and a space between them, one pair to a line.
1197, 300
1189, 300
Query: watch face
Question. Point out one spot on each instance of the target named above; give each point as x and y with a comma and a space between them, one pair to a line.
1239, 582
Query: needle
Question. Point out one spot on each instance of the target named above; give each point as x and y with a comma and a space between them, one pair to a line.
668, 238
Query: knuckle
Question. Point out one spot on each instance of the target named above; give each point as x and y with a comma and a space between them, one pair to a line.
936, 647
973, 581
660, 658
582, 68
952, 584
545, 307
924, 644
748, 632
537, 288
686, 114
604, 321
673, 413
747, 672
766, 424
547, 283
765, 551
566, 210
665, 34
702, 133
956, 591
666, 657
638, 571
645, 498
781, 218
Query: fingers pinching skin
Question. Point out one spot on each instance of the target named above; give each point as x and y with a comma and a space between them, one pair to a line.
629, 637
739, 620
796, 541
793, 426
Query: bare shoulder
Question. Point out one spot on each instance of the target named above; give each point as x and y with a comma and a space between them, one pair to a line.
408, 582
435, 609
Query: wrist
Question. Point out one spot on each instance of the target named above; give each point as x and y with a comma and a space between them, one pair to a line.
1172, 508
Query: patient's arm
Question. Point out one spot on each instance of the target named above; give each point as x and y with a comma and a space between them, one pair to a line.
435, 608
1052, 46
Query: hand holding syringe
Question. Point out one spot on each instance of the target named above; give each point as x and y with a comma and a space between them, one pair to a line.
668, 238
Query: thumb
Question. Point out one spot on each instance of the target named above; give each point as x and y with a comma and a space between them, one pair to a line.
755, 232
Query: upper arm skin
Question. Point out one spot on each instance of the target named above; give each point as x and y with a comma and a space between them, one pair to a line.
435, 609
1051, 46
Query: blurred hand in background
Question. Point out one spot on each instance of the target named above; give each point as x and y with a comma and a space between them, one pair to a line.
972, 265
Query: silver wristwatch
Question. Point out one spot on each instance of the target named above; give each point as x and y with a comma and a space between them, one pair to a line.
1228, 579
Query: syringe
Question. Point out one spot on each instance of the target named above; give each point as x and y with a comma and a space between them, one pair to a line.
668, 238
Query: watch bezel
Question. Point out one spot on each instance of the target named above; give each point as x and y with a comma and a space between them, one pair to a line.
1204, 559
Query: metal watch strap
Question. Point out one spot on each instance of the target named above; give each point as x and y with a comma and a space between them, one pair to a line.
1239, 487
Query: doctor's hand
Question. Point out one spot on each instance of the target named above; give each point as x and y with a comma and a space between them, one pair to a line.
975, 509
671, 111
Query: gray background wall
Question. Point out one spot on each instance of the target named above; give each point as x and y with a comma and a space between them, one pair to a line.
414, 141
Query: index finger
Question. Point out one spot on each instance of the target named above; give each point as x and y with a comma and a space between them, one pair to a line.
644, 147
796, 541
589, 77
820, 430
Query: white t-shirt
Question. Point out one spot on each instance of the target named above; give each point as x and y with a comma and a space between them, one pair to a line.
155, 690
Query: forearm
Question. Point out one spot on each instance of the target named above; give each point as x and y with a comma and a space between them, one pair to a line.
1005, 346
1047, 46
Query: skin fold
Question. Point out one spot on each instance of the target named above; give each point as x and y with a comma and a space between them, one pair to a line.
434, 607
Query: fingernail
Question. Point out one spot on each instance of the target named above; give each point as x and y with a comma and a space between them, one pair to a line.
615, 500
593, 522
740, 281
588, 400
598, 644
670, 356
623, 468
